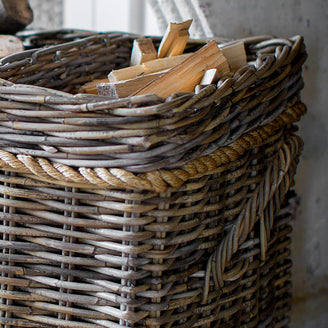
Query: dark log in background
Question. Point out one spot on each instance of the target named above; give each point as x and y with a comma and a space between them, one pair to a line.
15, 15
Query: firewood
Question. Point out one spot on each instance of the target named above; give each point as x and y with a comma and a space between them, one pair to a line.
14, 15
199, 88
122, 89
149, 67
91, 87
186, 75
143, 50
210, 76
235, 53
175, 39
10, 44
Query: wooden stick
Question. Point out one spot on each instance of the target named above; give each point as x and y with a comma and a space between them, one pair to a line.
10, 44
149, 67
122, 89
143, 50
91, 87
210, 76
185, 76
179, 44
235, 53
175, 39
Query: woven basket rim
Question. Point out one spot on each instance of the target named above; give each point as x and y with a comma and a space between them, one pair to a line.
154, 178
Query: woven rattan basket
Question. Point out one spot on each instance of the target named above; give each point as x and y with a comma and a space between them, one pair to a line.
143, 211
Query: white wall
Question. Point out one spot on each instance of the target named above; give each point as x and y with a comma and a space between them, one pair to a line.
98, 15
110, 15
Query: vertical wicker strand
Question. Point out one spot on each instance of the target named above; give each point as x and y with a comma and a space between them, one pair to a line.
66, 239
159, 235
7, 237
216, 199
127, 282
71, 240
134, 228
256, 271
124, 282
283, 268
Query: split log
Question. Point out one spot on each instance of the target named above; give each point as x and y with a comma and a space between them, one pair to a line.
125, 88
143, 50
15, 15
149, 67
91, 87
185, 76
235, 53
9, 44
210, 76
175, 39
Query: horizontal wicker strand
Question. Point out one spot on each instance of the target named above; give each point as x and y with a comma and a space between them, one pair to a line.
157, 181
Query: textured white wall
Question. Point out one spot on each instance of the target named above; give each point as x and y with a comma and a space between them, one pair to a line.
46, 14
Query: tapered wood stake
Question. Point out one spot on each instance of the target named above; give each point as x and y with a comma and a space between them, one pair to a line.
185, 76
149, 67
143, 50
125, 88
235, 53
175, 39
9, 44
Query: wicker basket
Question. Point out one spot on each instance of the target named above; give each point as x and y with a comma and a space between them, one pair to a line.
143, 211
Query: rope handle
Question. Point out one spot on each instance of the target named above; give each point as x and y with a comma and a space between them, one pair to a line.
269, 192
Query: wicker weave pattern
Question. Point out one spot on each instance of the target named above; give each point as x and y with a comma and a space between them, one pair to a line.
142, 211
145, 133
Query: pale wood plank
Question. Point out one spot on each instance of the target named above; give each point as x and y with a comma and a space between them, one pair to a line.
143, 50
175, 39
149, 67
186, 75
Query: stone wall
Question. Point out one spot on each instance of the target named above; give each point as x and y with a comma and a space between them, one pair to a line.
47, 14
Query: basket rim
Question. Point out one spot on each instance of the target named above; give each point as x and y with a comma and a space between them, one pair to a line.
126, 171
157, 180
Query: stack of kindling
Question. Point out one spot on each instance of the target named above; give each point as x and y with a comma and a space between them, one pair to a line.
169, 70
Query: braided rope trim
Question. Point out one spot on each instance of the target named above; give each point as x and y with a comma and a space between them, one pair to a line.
158, 180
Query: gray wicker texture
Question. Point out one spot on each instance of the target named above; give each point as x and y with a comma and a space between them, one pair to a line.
143, 211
